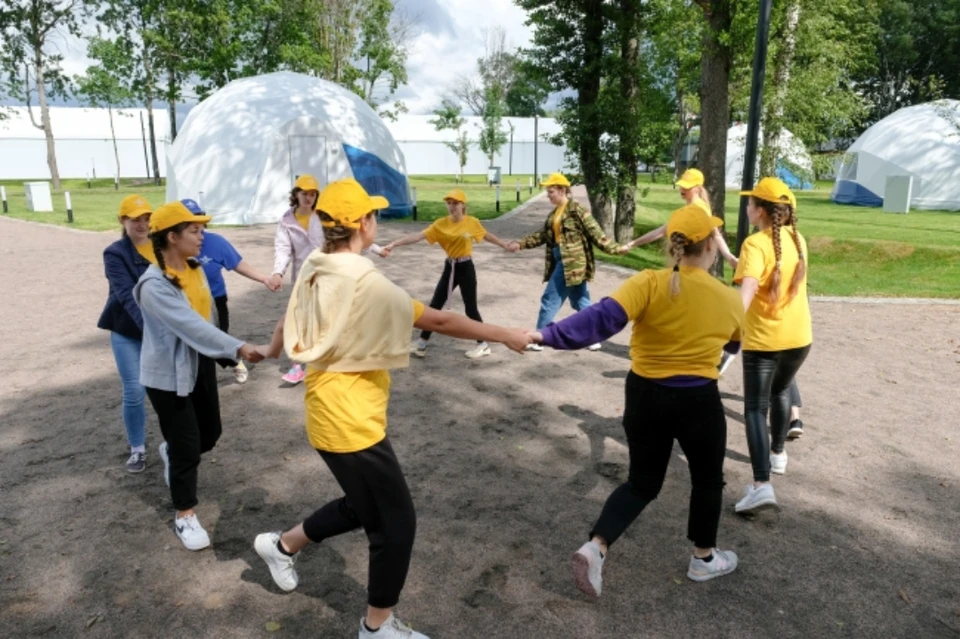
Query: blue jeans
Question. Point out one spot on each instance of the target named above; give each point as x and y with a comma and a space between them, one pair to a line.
557, 292
126, 352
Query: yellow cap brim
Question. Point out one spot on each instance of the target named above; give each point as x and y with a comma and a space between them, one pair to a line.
378, 202
135, 213
546, 184
683, 184
200, 219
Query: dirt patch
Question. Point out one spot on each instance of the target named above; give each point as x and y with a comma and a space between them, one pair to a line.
508, 459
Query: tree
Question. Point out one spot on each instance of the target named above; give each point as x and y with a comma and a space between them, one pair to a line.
770, 150
103, 85
528, 90
492, 134
628, 28
448, 118
30, 58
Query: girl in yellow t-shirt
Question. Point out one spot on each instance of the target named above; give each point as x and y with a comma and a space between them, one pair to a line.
777, 333
682, 318
693, 192
456, 235
350, 324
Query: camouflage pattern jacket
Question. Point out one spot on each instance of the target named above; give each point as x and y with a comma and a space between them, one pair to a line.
579, 231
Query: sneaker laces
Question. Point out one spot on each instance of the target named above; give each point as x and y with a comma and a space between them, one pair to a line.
135, 457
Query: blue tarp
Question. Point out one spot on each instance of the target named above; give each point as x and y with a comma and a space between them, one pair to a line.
379, 178
850, 192
791, 179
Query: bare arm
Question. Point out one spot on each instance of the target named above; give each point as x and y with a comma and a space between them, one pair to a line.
413, 238
647, 238
455, 325
493, 239
748, 290
724, 249
275, 347
243, 268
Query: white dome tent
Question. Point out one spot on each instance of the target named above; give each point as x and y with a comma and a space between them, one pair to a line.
922, 141
793, 152
241, 149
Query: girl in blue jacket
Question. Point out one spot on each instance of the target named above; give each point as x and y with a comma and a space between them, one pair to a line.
124, 262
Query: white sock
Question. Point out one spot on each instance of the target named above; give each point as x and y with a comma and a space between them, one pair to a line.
138, 449
421, 344
483, 345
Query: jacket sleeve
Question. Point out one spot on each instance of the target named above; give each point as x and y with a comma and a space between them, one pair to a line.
595, 231
121, 284
282, 250
534, 240
162, 301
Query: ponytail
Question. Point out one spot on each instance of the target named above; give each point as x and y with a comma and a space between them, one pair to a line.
680, 247
783, 214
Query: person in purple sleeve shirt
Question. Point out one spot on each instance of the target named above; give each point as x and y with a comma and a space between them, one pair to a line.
682, 319
216, 254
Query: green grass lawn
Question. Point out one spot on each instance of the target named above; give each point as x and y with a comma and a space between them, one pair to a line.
481, 199
854, 250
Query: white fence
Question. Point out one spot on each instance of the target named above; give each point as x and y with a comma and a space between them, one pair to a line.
27, 158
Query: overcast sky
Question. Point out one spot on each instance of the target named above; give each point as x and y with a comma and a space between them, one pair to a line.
451, 38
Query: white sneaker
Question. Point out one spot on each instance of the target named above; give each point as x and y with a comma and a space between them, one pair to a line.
418, 348
756, 498
534, 347
392, 628
778, 463
482, 350
166, 463
594, 347
723, 563
240, 373
587, 565
280, 565
191, 533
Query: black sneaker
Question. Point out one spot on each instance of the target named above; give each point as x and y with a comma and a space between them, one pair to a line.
136, 463
796, 429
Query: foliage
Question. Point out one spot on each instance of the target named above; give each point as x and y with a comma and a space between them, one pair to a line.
449, 118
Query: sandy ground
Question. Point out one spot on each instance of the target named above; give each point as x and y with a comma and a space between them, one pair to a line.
509, 460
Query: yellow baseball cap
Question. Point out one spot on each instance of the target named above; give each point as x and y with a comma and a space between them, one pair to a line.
690, 179
307, 183
556, 179
347, 202
771, 189
133, 206
171, 214
692, 223
456, 195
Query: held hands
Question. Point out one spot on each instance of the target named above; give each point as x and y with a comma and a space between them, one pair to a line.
516, 339
274, 282
268, 351
251, 353
385, 251
512, 247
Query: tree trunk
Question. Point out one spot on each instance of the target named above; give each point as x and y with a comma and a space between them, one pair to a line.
770, 151
113, 135
148, 75
627, 154
588, 114
171, 92
715, 102
45, 119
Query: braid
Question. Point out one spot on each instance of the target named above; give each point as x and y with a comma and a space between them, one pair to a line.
773, 295
679, 248
334, 237
801, 272
159, 242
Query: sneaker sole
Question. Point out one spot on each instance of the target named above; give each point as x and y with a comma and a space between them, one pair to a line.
710, 575
136, 471
261, 552
767, 504
469, 356
795, 433
190, 548
581, 575
778, 471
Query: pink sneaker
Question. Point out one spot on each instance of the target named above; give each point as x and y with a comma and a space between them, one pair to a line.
295, 375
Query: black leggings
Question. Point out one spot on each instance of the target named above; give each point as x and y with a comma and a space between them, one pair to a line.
223, 323
655, 416
465, 276
377, 499
766, 387
190, 426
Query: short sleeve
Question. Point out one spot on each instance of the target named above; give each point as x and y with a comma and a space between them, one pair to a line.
634, 295
230, 258
477, 232
418, 309
432, 233
751, 263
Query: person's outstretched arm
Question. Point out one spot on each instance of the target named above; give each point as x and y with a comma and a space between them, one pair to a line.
455, 325
597, 236
413, 238
493, 239
648, 238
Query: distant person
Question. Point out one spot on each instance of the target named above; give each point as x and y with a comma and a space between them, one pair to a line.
124, 262
216, 254
778, 332
569, 234
456, 235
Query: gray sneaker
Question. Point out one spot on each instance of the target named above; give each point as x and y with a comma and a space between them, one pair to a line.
757, 498
723, 563
137, 462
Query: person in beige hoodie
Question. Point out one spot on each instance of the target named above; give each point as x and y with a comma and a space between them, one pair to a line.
349, 324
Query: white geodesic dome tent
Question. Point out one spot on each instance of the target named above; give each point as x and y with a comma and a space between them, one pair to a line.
921, 141
241, 149
793, 152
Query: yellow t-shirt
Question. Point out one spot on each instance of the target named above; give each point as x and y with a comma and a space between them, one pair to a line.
146, 251
786, 325
680, 335
347, 412
194, 284
456, 238
303, 219
557, 219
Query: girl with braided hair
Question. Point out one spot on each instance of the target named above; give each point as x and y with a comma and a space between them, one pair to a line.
180, 342
682, 318
777, 335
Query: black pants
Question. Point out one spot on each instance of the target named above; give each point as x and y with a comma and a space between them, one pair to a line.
191, 426
465, 276
223, 323
654, 417
377, 499
794, 391
766, 387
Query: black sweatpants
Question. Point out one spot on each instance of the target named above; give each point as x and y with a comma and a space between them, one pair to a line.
377, 499
655, 416
223, 323
766, 387
191, 426
465, 276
